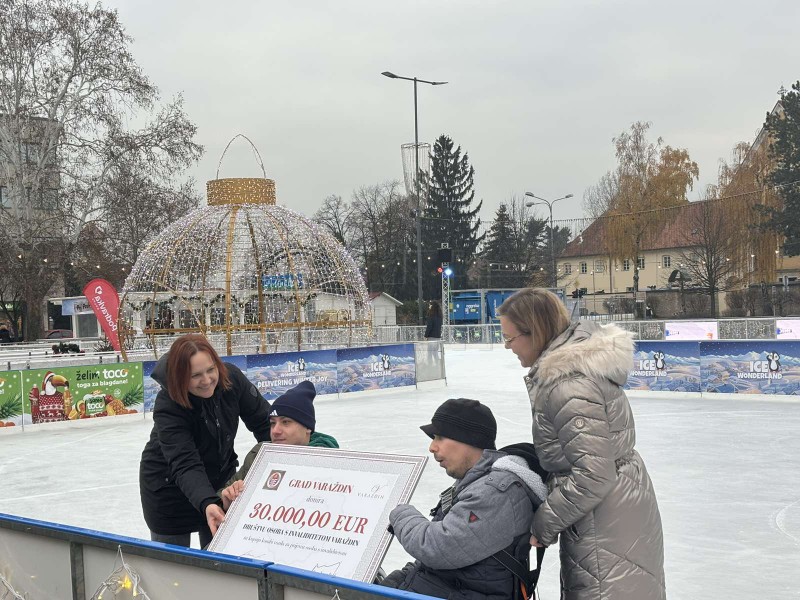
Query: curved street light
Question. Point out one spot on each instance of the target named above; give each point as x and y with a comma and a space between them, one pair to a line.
416, 80
549, 204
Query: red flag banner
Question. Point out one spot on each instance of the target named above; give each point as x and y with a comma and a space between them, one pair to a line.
104, 300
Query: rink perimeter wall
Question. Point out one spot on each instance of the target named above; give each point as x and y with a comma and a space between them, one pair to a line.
58, 562
746, 367
88, 391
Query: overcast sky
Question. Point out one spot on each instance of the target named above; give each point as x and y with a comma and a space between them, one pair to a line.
536, 89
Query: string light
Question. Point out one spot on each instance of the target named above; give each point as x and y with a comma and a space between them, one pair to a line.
246, 273
123, 582
8, 590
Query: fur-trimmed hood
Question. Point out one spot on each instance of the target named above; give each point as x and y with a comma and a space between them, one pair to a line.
585, 347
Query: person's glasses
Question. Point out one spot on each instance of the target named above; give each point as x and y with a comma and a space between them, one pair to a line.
507, 340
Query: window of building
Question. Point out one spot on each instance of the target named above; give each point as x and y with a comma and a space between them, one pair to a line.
599, 266
640, 263
567, 268
666, 262
32, 151
584, 268
47, 199
626, 264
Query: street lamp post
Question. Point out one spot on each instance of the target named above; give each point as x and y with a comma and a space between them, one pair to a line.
549, 204
391, 75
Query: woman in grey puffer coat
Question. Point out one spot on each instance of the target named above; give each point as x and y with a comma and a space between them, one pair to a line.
601, 501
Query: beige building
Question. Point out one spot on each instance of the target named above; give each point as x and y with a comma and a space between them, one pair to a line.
585, 264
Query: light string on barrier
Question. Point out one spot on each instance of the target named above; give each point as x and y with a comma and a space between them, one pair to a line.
9, 593
122, 579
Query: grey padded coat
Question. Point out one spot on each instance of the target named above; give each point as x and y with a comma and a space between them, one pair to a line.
601, 500
496, 500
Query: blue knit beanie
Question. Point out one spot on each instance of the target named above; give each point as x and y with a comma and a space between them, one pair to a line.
297, 403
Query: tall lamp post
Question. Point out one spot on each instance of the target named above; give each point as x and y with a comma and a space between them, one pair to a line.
549, 204
416, 178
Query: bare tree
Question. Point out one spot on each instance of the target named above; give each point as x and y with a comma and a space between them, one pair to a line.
382, 237
137, 205
336, 216
69, 86
601, 197
710, 257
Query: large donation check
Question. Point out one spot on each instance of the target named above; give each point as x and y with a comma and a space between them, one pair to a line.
318, 509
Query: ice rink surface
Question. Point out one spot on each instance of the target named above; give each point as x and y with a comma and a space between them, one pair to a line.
727, 472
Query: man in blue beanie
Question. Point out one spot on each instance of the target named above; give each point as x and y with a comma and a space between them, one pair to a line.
292, 421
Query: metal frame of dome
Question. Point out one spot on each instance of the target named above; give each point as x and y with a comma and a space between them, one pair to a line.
247, 274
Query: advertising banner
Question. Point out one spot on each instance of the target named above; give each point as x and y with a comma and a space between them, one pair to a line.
151, 386
375, 368
322, 510
787, 329
82, 392
751, 367
75, 306
104, 301
273, 374
665, 366
691, 330
10, 398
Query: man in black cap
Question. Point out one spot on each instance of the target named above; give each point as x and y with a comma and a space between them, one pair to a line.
485, 515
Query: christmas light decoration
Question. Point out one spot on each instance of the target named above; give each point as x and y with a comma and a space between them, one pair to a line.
249, 275
122, 583
8, 591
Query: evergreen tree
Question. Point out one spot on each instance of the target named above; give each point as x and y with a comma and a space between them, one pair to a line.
515, 248
784, 130
448, 214
499, 248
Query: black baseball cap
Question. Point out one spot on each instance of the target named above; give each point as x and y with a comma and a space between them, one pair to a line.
464, 420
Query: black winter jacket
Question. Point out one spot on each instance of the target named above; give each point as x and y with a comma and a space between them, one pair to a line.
433, 327
190, 454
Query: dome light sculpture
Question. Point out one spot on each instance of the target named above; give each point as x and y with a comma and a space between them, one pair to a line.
249, 275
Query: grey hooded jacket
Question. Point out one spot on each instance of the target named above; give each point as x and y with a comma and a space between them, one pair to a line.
601, 500
495, 503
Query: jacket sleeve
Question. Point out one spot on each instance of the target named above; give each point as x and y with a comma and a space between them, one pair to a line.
576, 411
477, 526
245, 468
174, 430
253, 407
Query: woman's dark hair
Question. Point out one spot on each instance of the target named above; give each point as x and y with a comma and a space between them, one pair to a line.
435, 309
179, 366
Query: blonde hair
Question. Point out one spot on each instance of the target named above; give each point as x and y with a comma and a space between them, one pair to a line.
537, 312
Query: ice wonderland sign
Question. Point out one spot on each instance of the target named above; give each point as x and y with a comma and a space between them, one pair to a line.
750, 367
665, 366
331, 371
375, 367
720, 367
273, 374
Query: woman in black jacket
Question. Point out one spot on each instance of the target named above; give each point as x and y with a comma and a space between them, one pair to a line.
190, 454
433, 326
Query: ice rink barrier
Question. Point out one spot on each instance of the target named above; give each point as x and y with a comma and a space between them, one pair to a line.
76, 392
721, 367
42, 560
